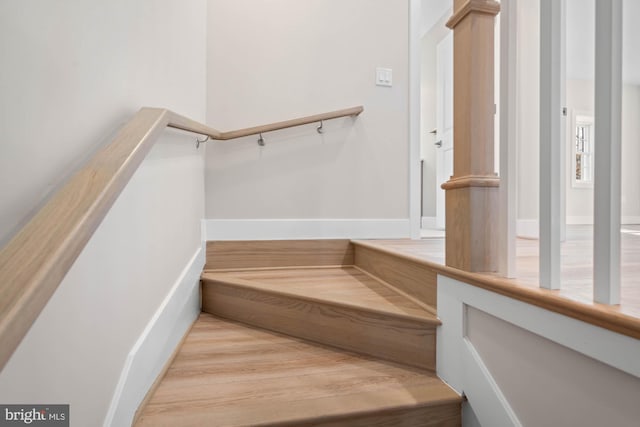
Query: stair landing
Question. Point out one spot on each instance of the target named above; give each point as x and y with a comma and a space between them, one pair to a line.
228, 374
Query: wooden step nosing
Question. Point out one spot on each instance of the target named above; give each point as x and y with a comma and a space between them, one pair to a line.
401, 409
279, 268
254, 286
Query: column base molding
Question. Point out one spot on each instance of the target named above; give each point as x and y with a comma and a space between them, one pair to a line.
472, 226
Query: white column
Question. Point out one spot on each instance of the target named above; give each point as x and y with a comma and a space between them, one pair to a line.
563, 121
550, 141
607, 154
508, 160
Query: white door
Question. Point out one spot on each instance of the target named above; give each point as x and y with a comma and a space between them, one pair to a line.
444, 122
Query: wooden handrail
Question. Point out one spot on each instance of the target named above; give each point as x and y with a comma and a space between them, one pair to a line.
186, 124
35, 261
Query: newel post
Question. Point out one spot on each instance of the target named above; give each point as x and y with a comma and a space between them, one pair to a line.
472, 192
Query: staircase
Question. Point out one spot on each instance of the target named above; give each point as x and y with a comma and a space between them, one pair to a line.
307, 333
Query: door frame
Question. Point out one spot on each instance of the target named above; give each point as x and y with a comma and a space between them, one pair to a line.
415, 186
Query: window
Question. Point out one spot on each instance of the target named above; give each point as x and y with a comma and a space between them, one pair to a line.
582, 171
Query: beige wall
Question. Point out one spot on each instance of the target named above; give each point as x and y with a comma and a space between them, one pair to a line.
73, 72
547, 384
79, 345
276, 60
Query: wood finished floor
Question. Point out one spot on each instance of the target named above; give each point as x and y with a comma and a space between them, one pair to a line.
343, 285
576, 269
228, 374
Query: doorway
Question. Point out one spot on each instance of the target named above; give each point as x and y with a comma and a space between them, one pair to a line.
436, 113
444, 123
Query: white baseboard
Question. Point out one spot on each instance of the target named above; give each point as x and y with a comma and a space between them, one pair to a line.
527, 228
588, 220
157, 343
580, 220
429, 222
290, 229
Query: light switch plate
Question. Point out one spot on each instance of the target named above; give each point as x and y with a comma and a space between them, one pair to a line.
384, 77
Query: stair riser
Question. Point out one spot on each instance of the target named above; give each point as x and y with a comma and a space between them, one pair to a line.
385, 336
412, 278
278, 253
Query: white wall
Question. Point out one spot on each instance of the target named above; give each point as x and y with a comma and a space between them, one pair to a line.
72, 73
289, 59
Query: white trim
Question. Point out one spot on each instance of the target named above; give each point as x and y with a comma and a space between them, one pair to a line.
527, 228
551, 85
283, 229
429, 222
580, 220
607, 152
588, 220
508, 131
459, 364
157, 343
631, 220
598, 343
415, 186
463, 369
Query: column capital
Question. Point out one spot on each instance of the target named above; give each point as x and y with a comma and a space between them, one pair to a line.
488, 7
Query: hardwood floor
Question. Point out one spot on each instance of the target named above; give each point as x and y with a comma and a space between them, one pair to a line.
342, 285
228, 374
340, 306
577, 250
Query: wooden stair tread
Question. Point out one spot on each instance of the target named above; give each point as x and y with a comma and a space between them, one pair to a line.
231, 374
347, 286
